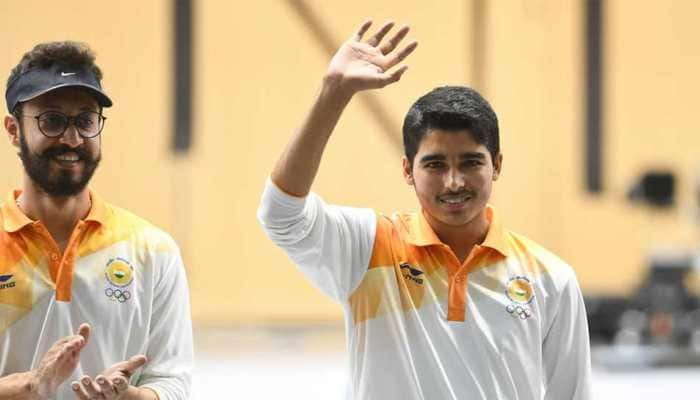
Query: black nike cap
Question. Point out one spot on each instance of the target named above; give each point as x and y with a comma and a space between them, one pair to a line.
36, 81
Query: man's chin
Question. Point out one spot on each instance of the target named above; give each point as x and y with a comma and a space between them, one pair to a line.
456, 222
63, 187
65, 182
459, 219
64, 192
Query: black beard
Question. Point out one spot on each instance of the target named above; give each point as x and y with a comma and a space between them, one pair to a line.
61, 184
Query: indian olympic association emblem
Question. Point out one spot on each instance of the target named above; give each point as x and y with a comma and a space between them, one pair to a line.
519, 292
119, 274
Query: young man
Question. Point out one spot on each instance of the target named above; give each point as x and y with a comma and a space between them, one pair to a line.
94, 301
443, 303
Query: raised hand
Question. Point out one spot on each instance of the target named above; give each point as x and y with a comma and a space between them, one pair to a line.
112, 384
358, 65
59, 362
365, 65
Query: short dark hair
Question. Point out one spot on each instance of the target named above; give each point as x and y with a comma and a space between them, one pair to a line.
451, 108
44, 55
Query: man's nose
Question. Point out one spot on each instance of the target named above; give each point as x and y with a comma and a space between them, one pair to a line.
71, 137
455, 179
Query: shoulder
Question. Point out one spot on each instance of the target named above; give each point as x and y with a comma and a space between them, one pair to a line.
401, 222
395, 228
539, 261
124, 225
392, 232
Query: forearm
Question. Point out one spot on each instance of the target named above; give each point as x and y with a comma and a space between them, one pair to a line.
296, 168
19, 386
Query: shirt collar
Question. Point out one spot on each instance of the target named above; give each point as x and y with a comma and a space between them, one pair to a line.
99, 212
14, 219
420, 233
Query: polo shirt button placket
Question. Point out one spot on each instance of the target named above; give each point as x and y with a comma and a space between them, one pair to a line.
39, 228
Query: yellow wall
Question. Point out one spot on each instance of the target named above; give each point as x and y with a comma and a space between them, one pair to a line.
258, 66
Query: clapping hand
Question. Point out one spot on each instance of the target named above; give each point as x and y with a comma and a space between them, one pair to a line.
59, 362
112, 384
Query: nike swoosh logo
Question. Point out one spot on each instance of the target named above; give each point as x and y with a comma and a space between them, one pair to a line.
67, 73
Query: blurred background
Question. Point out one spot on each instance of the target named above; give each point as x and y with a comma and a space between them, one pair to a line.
597, 102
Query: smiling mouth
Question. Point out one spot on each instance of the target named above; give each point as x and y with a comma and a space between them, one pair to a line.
455, 200
66, 159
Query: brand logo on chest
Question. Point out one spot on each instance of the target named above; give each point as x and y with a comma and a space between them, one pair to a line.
411, 274
4, 284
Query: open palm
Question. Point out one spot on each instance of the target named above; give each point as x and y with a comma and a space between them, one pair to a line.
362, 65
112, 384
60, 361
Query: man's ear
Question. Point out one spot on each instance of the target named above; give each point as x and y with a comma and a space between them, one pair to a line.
12, 128
497, 165
407, 170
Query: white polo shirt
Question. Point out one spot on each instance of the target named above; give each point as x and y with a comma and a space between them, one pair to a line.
119, 273
509, 323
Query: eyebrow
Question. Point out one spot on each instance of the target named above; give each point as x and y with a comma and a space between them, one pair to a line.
464, 156
55, 107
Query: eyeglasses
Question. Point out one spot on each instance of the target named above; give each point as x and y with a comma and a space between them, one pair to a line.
54, 124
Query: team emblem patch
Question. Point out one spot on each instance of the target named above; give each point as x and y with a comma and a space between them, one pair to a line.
520, 293
119, 274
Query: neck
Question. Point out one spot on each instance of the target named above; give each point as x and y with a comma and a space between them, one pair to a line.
461, 238
58, 214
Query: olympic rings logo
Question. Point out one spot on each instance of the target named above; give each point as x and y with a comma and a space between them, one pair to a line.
518, 311
117, 295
